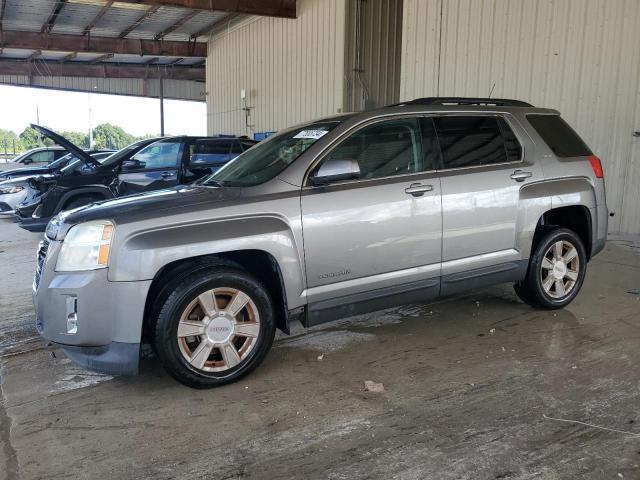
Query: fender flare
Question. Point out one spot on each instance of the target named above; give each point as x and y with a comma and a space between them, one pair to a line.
101, 190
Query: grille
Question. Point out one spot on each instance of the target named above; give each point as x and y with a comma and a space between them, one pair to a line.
43, 248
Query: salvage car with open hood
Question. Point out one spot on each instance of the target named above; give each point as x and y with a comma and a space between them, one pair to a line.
146, 165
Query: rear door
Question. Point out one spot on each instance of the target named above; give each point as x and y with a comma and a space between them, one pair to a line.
206, 156
154, 167
482, 172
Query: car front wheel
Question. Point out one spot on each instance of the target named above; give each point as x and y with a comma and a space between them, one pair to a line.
215, 327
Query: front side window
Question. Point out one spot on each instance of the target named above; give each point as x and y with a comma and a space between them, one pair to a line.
269, 157
44, 156
158, 155
471, 141
384, 149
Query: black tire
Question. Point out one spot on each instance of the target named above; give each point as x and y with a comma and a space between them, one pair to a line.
79, 201
532, 291
185, 292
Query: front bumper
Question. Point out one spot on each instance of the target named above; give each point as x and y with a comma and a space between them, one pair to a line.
9, 202
107, 315
116, 358
33, 224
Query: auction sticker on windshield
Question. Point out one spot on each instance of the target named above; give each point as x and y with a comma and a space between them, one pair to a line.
315, 134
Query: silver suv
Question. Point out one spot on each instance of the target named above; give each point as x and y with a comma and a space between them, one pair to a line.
328, 219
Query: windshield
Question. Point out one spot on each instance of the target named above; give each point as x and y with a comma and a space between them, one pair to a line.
62, 161
270, 157
107, 158
21, 156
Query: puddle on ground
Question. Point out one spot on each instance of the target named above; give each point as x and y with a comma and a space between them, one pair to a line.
73, 377
325, 341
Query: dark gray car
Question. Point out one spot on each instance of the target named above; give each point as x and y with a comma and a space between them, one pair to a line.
325, 220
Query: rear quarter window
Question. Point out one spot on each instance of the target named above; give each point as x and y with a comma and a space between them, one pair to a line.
559, 136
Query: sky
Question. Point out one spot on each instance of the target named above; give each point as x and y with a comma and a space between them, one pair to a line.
66, 111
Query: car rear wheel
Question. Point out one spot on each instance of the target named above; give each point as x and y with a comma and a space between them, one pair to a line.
556, 271
215, 327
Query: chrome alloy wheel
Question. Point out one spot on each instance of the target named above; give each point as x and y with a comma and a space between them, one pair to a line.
560, 269
218, 329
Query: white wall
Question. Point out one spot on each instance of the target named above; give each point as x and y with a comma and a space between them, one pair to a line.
173, 89
579, 56
292, 69
380, 47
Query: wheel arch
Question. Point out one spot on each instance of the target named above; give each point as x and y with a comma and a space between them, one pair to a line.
576, 218
566, 202
259, 263
96, 190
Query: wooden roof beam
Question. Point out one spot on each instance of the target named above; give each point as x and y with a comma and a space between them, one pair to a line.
91, 44
102, 70
177, 24
269, 8
57, 7
139, 21
98, 16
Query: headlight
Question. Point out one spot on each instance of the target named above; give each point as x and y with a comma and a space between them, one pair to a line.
12, 189
86, 247
53, 227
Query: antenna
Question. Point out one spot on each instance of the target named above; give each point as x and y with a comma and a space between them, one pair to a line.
491, 91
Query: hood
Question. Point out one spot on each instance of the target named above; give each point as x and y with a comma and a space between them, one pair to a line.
23, 172
152, 204
67, 145
23, 180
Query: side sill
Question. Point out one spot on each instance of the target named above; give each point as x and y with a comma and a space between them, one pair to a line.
483, 277
358, 303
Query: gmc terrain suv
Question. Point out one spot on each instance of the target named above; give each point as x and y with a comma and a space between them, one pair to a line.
328, 219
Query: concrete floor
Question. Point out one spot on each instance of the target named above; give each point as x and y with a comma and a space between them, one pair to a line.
468, 383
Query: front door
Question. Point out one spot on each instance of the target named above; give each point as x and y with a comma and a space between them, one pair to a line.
152, 168
482, 174
370, 240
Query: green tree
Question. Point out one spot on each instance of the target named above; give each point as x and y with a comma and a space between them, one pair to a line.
77, 138
30, 138
8, 139
106, 135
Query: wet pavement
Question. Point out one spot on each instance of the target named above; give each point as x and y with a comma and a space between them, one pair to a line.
476, 387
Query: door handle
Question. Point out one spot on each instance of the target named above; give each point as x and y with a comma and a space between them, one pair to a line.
418, 189
520, 175
166, 174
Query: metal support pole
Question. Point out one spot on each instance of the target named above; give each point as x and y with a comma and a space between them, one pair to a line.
161, 107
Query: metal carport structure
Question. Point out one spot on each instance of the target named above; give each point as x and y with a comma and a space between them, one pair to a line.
151, 48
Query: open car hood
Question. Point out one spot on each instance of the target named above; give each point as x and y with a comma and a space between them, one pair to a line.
66, 144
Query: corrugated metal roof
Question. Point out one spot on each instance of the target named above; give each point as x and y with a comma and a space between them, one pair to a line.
115, 21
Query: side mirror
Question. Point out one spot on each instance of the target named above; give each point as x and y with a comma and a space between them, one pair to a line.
132, 164
336, 170
27, 161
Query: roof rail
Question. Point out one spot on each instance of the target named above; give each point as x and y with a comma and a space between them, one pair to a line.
498, 102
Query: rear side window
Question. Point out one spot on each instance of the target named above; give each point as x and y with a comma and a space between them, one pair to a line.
471, 141
559, 136
246, 145
236, 149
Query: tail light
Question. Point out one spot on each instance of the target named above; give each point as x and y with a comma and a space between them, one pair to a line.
596, 165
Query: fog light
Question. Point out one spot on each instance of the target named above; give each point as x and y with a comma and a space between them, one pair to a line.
72, 315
